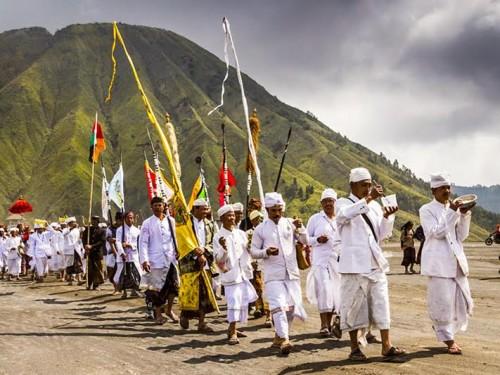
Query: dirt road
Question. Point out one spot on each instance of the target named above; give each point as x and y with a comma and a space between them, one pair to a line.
52, 328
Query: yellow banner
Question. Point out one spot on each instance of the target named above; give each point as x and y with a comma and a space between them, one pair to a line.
186, 238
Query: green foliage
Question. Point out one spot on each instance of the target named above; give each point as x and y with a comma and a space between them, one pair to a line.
51, 88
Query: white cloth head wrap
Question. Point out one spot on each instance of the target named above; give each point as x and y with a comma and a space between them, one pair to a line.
55, 225
440, 179
329, 193
37, 226
224, 210
359, 174
255, 214
200, 203
70, 219
238, 207
273, 199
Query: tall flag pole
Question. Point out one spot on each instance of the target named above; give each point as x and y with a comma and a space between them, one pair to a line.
97, 145
228, 41
283, 159
186, 238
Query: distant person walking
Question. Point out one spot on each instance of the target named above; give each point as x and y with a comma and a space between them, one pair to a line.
408, 247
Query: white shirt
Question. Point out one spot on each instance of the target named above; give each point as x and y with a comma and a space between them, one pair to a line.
11, 247
236, 259
282, 236
131, 237
71, 240
321, 225
39, 245
199, 228
444, 230
361, 251
156, 243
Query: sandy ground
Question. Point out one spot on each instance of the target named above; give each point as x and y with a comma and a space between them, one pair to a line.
52, 328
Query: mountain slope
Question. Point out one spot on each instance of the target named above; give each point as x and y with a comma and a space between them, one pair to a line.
48, 104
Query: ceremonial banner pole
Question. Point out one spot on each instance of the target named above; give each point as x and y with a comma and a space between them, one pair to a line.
186, 238
90, 202
224, 166
283, 159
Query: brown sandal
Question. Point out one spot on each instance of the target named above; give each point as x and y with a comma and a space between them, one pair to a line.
394, 352
455, 350
357, 355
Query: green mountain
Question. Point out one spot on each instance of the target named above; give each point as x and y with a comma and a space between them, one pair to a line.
52, 85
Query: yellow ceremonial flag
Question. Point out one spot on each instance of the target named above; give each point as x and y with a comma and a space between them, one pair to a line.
186, 238
197, 187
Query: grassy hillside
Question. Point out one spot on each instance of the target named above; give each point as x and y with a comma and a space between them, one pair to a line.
47, 104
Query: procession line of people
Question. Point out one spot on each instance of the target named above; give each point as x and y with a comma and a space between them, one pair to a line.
252, 261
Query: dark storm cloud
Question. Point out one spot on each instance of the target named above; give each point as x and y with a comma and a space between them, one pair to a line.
391, 75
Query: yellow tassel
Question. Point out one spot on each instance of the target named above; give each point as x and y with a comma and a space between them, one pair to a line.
255, 130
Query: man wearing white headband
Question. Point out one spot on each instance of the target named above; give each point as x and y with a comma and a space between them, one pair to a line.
231, 255
39, 250
56, 261
73, 251
323, 280
238, 212
15, 248
274, 241
446, 225
364, 295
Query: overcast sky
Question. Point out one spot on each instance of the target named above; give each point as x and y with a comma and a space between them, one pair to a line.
416, 80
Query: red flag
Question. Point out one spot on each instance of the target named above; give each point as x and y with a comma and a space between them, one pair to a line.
97, 144
221, 188
150, 180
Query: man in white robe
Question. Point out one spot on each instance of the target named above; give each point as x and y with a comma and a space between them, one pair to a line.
364, 293
14, 246
157, 254
128, 272
323, 280
231, 254
446, 225
39, 250
73, 252
3, 253
274, 241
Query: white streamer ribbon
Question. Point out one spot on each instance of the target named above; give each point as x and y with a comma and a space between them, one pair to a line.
228, 40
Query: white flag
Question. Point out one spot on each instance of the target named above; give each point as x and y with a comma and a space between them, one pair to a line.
116, 193
104, 195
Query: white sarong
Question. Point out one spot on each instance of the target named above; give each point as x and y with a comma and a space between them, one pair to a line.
69, 260
450, 304
323, 287
14, 266
364, 301
238, 297
154, 280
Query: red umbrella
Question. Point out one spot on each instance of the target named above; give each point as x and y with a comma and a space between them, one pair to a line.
20, 206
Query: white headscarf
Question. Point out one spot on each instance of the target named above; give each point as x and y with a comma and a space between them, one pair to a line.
224, 210
329, 193
359, 174
440, 179
273, 199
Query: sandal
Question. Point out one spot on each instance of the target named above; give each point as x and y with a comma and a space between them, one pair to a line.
324, 332
233, 340
285, 347
455, 350
268, 323
336, 331
357, 355
394, 352
372, 339
205, 328
241, 334
173, 318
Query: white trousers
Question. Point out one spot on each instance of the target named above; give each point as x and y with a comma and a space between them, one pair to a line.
238, 297
364, 301
285, 302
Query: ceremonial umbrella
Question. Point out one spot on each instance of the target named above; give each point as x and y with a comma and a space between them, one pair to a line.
20, 206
